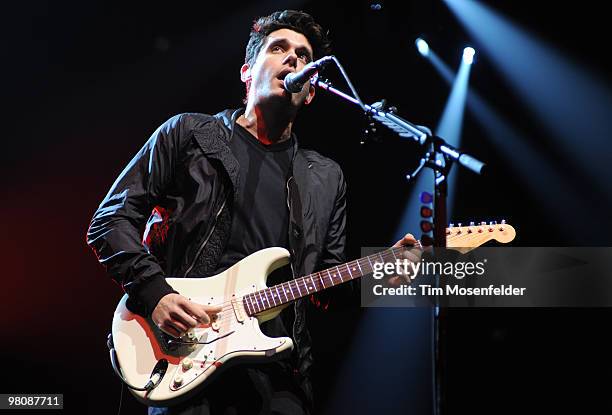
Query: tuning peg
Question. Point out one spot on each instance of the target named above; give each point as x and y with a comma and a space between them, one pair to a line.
459, 224
483, 223
451, 225
472, 223
503, 222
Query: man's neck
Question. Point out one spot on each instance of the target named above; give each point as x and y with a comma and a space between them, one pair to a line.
268, 125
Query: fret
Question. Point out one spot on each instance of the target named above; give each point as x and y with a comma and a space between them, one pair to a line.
381, 258
393, 249
262, 301
289, 289
349, 270
256, 303
297, 284
330, 277
371, 267
313, 283
303, 279
321, 279
265, 294
277, 293
298, 287
306, 285
270, 297
340, 275
269, 292
272, 294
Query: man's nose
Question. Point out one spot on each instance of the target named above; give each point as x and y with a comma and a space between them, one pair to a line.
290, 59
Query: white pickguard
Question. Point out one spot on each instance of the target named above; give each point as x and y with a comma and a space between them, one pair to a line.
138, 343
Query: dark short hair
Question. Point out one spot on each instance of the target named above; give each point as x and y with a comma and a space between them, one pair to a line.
297, 21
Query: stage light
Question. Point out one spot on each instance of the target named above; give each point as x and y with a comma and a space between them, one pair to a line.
449, 128
468, 55
569, 102
422, 46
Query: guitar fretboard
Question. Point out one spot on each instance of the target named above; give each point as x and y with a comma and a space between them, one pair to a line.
460, 237
297, 288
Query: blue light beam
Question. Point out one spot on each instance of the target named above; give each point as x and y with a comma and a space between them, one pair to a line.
573, 104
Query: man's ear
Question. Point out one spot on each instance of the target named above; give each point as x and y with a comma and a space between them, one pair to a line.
245, 72
311, 94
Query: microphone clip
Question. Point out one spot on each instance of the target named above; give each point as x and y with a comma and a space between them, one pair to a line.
370, 132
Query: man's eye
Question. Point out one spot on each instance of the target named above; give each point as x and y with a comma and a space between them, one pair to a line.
305, 57
277, 49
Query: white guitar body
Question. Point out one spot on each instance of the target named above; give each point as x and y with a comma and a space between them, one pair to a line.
234, 335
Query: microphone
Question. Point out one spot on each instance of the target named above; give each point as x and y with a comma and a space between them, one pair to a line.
295, 81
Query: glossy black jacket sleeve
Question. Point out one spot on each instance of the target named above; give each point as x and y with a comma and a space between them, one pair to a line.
334, 250
115, 231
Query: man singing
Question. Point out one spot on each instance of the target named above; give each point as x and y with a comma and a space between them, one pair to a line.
206, 191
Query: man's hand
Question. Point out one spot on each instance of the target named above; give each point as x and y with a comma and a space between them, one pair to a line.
407, 240
412, 255
175, 314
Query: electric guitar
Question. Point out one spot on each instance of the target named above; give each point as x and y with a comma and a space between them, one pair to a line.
172, 369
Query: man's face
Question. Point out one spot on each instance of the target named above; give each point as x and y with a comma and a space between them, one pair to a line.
283, 51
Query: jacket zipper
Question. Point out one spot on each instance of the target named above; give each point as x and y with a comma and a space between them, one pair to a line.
289, 225
205, 240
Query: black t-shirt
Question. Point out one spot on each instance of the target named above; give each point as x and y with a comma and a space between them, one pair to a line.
260, 219
260, 213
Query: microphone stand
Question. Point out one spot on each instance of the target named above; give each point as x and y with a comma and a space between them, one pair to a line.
440, 157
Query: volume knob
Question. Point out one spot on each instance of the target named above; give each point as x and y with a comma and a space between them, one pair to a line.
187, 364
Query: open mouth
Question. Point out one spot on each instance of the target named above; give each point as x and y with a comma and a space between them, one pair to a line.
283, 74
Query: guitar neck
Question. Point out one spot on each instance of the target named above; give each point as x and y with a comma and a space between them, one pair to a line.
461, 238
297, 288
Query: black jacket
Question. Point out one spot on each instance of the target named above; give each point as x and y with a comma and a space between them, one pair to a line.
165, 209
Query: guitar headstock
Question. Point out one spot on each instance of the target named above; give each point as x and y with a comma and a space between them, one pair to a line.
466, 238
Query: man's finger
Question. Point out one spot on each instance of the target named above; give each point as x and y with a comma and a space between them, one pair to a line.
413, 255
212, 310
196, 311
184, 318
407, 240
200, 312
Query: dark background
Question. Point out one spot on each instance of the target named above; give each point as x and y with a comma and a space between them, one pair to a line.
86, 83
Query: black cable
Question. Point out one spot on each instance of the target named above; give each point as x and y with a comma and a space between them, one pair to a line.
120, 400
151, 384
349, 83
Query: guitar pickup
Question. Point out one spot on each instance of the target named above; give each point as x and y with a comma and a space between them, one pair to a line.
238, 310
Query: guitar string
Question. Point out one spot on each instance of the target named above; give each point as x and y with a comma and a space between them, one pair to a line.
226, 306
449, 237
